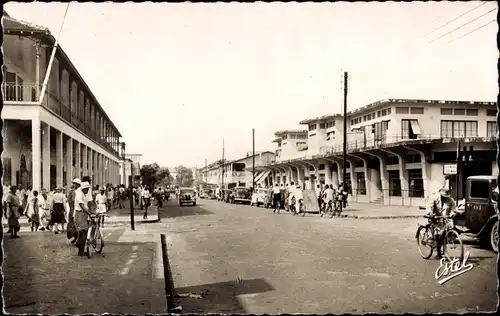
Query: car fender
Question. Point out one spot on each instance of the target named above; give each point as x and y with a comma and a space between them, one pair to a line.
489, 223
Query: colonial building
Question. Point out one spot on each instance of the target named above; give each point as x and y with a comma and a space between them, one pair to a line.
239, 172
56, 132
130, 165
396, 149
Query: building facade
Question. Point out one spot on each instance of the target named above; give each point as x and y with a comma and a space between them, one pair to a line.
239, 172
130, 165
396, 149
55, 132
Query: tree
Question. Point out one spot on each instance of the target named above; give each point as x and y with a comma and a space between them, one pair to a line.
153, 175
184, 176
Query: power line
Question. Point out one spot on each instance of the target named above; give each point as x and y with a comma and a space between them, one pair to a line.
458, 17
462, 25
474, 30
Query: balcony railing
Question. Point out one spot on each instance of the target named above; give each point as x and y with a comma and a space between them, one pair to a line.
27, 92
238, 173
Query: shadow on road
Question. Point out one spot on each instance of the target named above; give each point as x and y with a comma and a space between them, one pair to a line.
221, 297
179, 211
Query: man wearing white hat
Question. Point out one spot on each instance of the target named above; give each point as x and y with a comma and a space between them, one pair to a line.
82, 213
443, 205
71, 232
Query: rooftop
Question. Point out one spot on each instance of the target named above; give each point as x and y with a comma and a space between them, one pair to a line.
286, 132
320, 118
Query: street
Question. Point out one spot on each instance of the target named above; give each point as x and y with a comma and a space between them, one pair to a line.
244, 259
249, 260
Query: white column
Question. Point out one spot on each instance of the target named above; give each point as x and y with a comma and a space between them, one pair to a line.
46, 157
91, 164
85, 161
78, 160
59, 159
69, 160
36, 144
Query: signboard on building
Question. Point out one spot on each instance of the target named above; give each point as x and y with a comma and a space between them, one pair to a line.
450, 169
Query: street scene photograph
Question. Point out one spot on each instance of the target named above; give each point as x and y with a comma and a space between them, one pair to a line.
249, 158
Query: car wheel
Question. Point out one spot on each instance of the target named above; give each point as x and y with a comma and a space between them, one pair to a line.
494, 237
194, 204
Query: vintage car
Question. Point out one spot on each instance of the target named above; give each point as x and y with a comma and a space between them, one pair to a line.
187, 196
259, 197
479, 217
241, 195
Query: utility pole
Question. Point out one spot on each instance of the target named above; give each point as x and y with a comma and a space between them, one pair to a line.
344, 160
222, 164
206, 171
253, 159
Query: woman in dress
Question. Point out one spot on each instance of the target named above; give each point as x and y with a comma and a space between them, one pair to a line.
58, 210
101, 202
12, 204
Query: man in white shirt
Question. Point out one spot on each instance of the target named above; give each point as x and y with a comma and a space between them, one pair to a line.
146, 196
276, 198
328, 196
102, 200
82, 213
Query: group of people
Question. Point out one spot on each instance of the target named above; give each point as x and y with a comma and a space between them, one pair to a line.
144, 194
290, 197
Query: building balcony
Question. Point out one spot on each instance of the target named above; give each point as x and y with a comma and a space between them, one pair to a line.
27, 92
238, 174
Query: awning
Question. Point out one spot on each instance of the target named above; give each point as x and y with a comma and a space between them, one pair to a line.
415, 127
264, 176
259, 177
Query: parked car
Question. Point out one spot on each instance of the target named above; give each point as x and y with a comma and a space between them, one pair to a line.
187, 196
242, 195
259, 197
479, 218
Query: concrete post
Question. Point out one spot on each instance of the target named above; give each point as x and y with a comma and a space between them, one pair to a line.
78, 161
91, 163
36, 137
69, 161
59, 158
46, 157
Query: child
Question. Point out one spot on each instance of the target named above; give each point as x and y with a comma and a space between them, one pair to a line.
34, 212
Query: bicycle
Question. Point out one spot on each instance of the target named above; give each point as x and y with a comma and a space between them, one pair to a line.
436, 226
328, 208
94, 241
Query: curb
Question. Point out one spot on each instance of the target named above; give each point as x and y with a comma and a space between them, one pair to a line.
384, 217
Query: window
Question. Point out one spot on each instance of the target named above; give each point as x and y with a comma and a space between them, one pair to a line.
417, 110
446, 111
402, 110
491, 129
292, 136
458, 129
472, 112
364, 118
414, 158
330, 135
330, 124
321, 167
384, 112
394, 183
388, 111
379, 113
352, 122
410, 129
373, 115
480, 189
312, 127
284, 137
459, 111
491, 112
416, 182
322, 126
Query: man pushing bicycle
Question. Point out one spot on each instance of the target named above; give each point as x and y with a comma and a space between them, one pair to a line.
442, 206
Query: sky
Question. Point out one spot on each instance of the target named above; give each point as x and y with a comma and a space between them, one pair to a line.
177, 79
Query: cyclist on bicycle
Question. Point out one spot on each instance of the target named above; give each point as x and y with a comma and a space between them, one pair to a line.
442, 206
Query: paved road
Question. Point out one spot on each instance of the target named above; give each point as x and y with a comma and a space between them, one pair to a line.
247, 260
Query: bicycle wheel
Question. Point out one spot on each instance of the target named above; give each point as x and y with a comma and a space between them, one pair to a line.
425, 241
98, 240
453, 246
303, 210
88, 243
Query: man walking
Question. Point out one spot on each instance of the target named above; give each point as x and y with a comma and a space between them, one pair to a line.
82, 213
276, 198
71, 232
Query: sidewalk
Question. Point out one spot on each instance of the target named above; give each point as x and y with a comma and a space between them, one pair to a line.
376, 211
117, 217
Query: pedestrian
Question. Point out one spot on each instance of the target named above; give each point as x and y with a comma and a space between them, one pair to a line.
13, 204
58, 210
44, 203
442, 206
159, 198
82, 213
71, 230
139, 195
328, 196
146, 196
276, 198
102, 201
33, 211
110, 195
122, 196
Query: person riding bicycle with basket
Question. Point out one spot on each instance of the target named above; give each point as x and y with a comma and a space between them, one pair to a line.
328, 197
444, 206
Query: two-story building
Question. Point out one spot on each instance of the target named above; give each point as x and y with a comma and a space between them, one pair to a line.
396, 149
56, 132
239, 172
